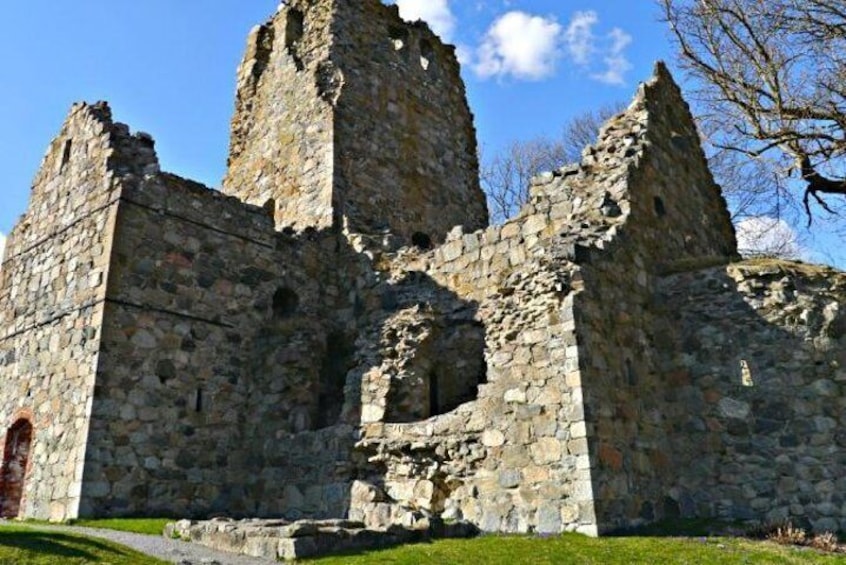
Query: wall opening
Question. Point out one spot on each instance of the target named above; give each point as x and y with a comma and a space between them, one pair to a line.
746, 374
270, 208
198, 400
660, 209
264, 47
421, 240
427, 55
337, 362
446, 371
398, 37
13, 473
294, 31
285, 303
66, 154
631, 375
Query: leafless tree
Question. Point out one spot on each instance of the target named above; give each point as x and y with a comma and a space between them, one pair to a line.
506, 175
772, 89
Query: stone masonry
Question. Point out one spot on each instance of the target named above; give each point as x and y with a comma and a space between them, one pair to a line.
337, 335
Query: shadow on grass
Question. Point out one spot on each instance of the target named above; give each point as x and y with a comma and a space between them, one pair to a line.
58, 544
695, 527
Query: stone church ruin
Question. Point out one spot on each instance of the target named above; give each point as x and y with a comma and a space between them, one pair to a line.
339, 333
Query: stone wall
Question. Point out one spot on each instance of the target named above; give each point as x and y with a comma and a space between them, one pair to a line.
619, 355
348, 116
406, 155
52, 288
215, 333
564, 437
754, 355
280, 350
281, 148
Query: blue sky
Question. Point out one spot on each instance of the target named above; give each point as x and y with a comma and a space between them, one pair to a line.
168, 68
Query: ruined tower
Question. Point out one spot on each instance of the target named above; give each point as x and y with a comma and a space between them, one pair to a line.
593, 363
348, 117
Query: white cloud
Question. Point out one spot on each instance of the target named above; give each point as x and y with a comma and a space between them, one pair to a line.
436, 13
765, 236
519, 45
585, 48
615, 61
581, 43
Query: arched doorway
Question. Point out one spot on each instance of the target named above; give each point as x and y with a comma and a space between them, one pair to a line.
13, 472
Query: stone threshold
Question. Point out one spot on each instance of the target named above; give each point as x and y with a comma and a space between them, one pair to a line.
281, 539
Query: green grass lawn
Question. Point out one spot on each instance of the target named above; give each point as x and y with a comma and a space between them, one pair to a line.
580, 550
22, 545
149, 526
26, 544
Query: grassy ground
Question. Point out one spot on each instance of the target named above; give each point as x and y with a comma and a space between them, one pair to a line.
149, 526
576, 549
22, 545
26, 545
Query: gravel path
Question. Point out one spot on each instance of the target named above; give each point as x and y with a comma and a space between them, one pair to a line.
173, 551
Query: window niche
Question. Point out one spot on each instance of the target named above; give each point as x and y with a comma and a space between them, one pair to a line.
399, 38
427, 55
660, 208
338, 360
294, 31
66, 155
286, 302
446, 371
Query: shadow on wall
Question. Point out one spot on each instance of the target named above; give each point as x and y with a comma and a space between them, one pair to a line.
750, 393
393, 351
432, 351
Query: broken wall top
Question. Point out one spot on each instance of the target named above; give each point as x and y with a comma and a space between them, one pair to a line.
347, 116
646, 176
78, 172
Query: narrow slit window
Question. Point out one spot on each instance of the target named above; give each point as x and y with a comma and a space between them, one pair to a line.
660, 209
746, 374
294, 31
198, 401
427, 55
66, 154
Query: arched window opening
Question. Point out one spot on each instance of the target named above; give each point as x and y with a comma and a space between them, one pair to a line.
337, 362
285, 303
660, 209
294, 31
421, 240
13, 472
427, 55
398, 37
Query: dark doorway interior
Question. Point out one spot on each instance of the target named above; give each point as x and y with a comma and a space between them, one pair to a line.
15, 459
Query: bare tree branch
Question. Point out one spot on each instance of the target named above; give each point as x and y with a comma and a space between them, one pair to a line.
506, 175
771, 77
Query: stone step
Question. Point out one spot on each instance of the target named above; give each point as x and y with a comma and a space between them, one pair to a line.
280, 539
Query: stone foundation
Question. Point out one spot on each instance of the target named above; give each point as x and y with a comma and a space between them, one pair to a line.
278, 539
